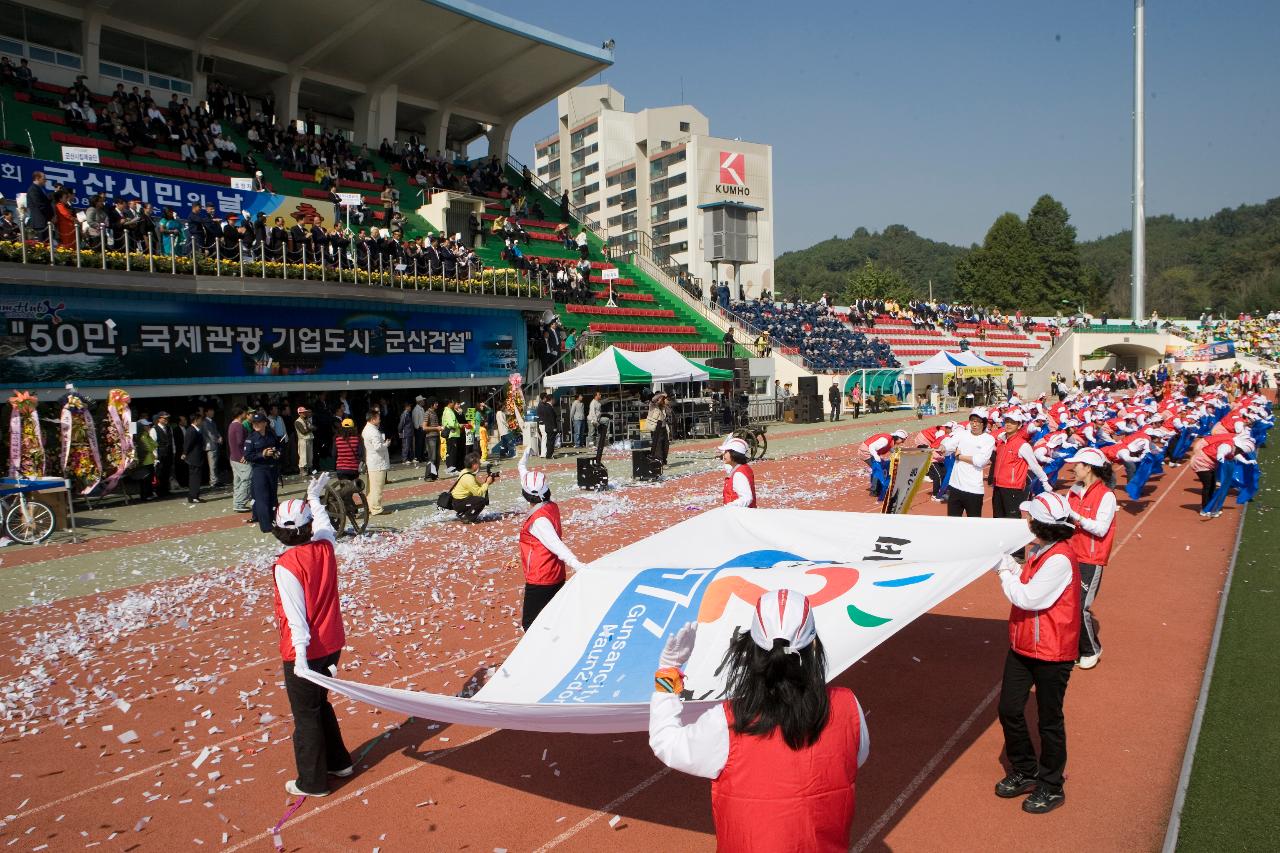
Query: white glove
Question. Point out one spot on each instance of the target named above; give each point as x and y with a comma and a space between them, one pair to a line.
316, 487
1008, 564
577, 565
679, 647
300, 659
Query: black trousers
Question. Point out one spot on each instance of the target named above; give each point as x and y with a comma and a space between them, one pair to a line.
454, 448
661, 443
536, 597
1049, 678
835, 410
1206, 487
1090, 583
317, 740
145, 490
469, 508
194, 477
1005, 502
936, 472
963, 503
164, 474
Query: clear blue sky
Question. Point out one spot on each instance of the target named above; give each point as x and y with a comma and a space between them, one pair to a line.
942, 114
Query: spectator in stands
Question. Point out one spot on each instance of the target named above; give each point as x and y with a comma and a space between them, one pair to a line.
9, 230
564, 206
64, 219
122, 140
23, 77
6, 71
39, 207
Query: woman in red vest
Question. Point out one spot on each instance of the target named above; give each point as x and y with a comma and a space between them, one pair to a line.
543, 554
1044, 639
311, 638
783, 751
739, 479
1093, 509
1014, 459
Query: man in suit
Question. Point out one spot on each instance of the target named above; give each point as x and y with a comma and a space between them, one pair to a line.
163, 436
212, 446
297, 239
193, 454
39, 207
833, 398
548, 425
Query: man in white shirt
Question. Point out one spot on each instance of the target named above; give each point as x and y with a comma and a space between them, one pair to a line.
377, 458
972, 451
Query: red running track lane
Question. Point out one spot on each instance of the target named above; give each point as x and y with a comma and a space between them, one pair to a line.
936, 745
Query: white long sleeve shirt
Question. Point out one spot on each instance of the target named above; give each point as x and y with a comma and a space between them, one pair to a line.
967, 476
545, 532
1044, 587
292, 598
702, 747
1134, 451
880, 447
741, 488
376, 455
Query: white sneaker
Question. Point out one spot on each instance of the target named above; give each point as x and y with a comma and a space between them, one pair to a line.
1089, 661
1215, 514
343, 774
292, 787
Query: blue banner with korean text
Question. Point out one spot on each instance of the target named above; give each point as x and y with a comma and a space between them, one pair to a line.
50, 336
85, 180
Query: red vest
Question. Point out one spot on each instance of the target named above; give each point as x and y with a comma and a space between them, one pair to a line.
729, 494
1095, 550
541, 567
316, 568
1052, 634
1011, 469
772, 799
865, 449
348, 452
1213, 442
1112, 451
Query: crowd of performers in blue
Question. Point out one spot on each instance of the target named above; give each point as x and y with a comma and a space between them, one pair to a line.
1217, 429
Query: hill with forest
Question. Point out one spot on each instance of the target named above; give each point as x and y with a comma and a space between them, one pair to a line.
1227, 262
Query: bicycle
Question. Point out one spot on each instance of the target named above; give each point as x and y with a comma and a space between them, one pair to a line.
26, 521
757, 441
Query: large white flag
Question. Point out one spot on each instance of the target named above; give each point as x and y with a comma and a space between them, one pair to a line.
586, 665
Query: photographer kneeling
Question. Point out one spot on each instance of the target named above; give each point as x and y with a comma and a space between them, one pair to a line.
471, 490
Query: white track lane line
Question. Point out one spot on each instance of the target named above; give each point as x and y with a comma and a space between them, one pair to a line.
599, 815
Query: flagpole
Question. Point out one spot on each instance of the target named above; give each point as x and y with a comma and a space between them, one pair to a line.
1139, 180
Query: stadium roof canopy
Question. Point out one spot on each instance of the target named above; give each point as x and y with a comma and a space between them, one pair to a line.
447, 58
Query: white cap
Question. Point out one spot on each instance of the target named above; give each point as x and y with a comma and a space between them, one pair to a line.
899, 433
1057, 439
735, 444
1015, 415
1048, 508
293, 514
980, 412
1245, 443
534, 482
1089, 456
783, 614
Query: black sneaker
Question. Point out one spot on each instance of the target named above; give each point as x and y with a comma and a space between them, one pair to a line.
1015, 785
1043, 800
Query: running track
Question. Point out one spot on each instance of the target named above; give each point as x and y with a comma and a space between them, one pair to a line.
195, 661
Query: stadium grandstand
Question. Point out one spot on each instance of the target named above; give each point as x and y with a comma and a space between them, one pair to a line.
265, 140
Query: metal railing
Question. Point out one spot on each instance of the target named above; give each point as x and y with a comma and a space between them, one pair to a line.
552, 196
179, 254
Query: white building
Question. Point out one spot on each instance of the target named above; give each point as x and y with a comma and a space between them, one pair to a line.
658, 183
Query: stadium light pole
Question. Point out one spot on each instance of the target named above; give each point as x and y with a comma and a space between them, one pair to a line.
1139, 181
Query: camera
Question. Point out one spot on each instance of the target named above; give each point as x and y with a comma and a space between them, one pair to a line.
492, 471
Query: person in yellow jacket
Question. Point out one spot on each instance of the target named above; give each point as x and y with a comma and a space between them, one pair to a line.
470, 491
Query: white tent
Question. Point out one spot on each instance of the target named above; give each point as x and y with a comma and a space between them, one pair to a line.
946, 362
625, 367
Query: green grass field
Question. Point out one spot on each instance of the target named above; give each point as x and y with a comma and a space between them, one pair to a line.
1231, 801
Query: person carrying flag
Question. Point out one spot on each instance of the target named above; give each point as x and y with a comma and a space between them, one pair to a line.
739, 479
543, 554
783, 750
877, 450
309, 617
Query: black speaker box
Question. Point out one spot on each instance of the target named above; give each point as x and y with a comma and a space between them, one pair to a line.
644, 468
592, 474
807, 385
721, 363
